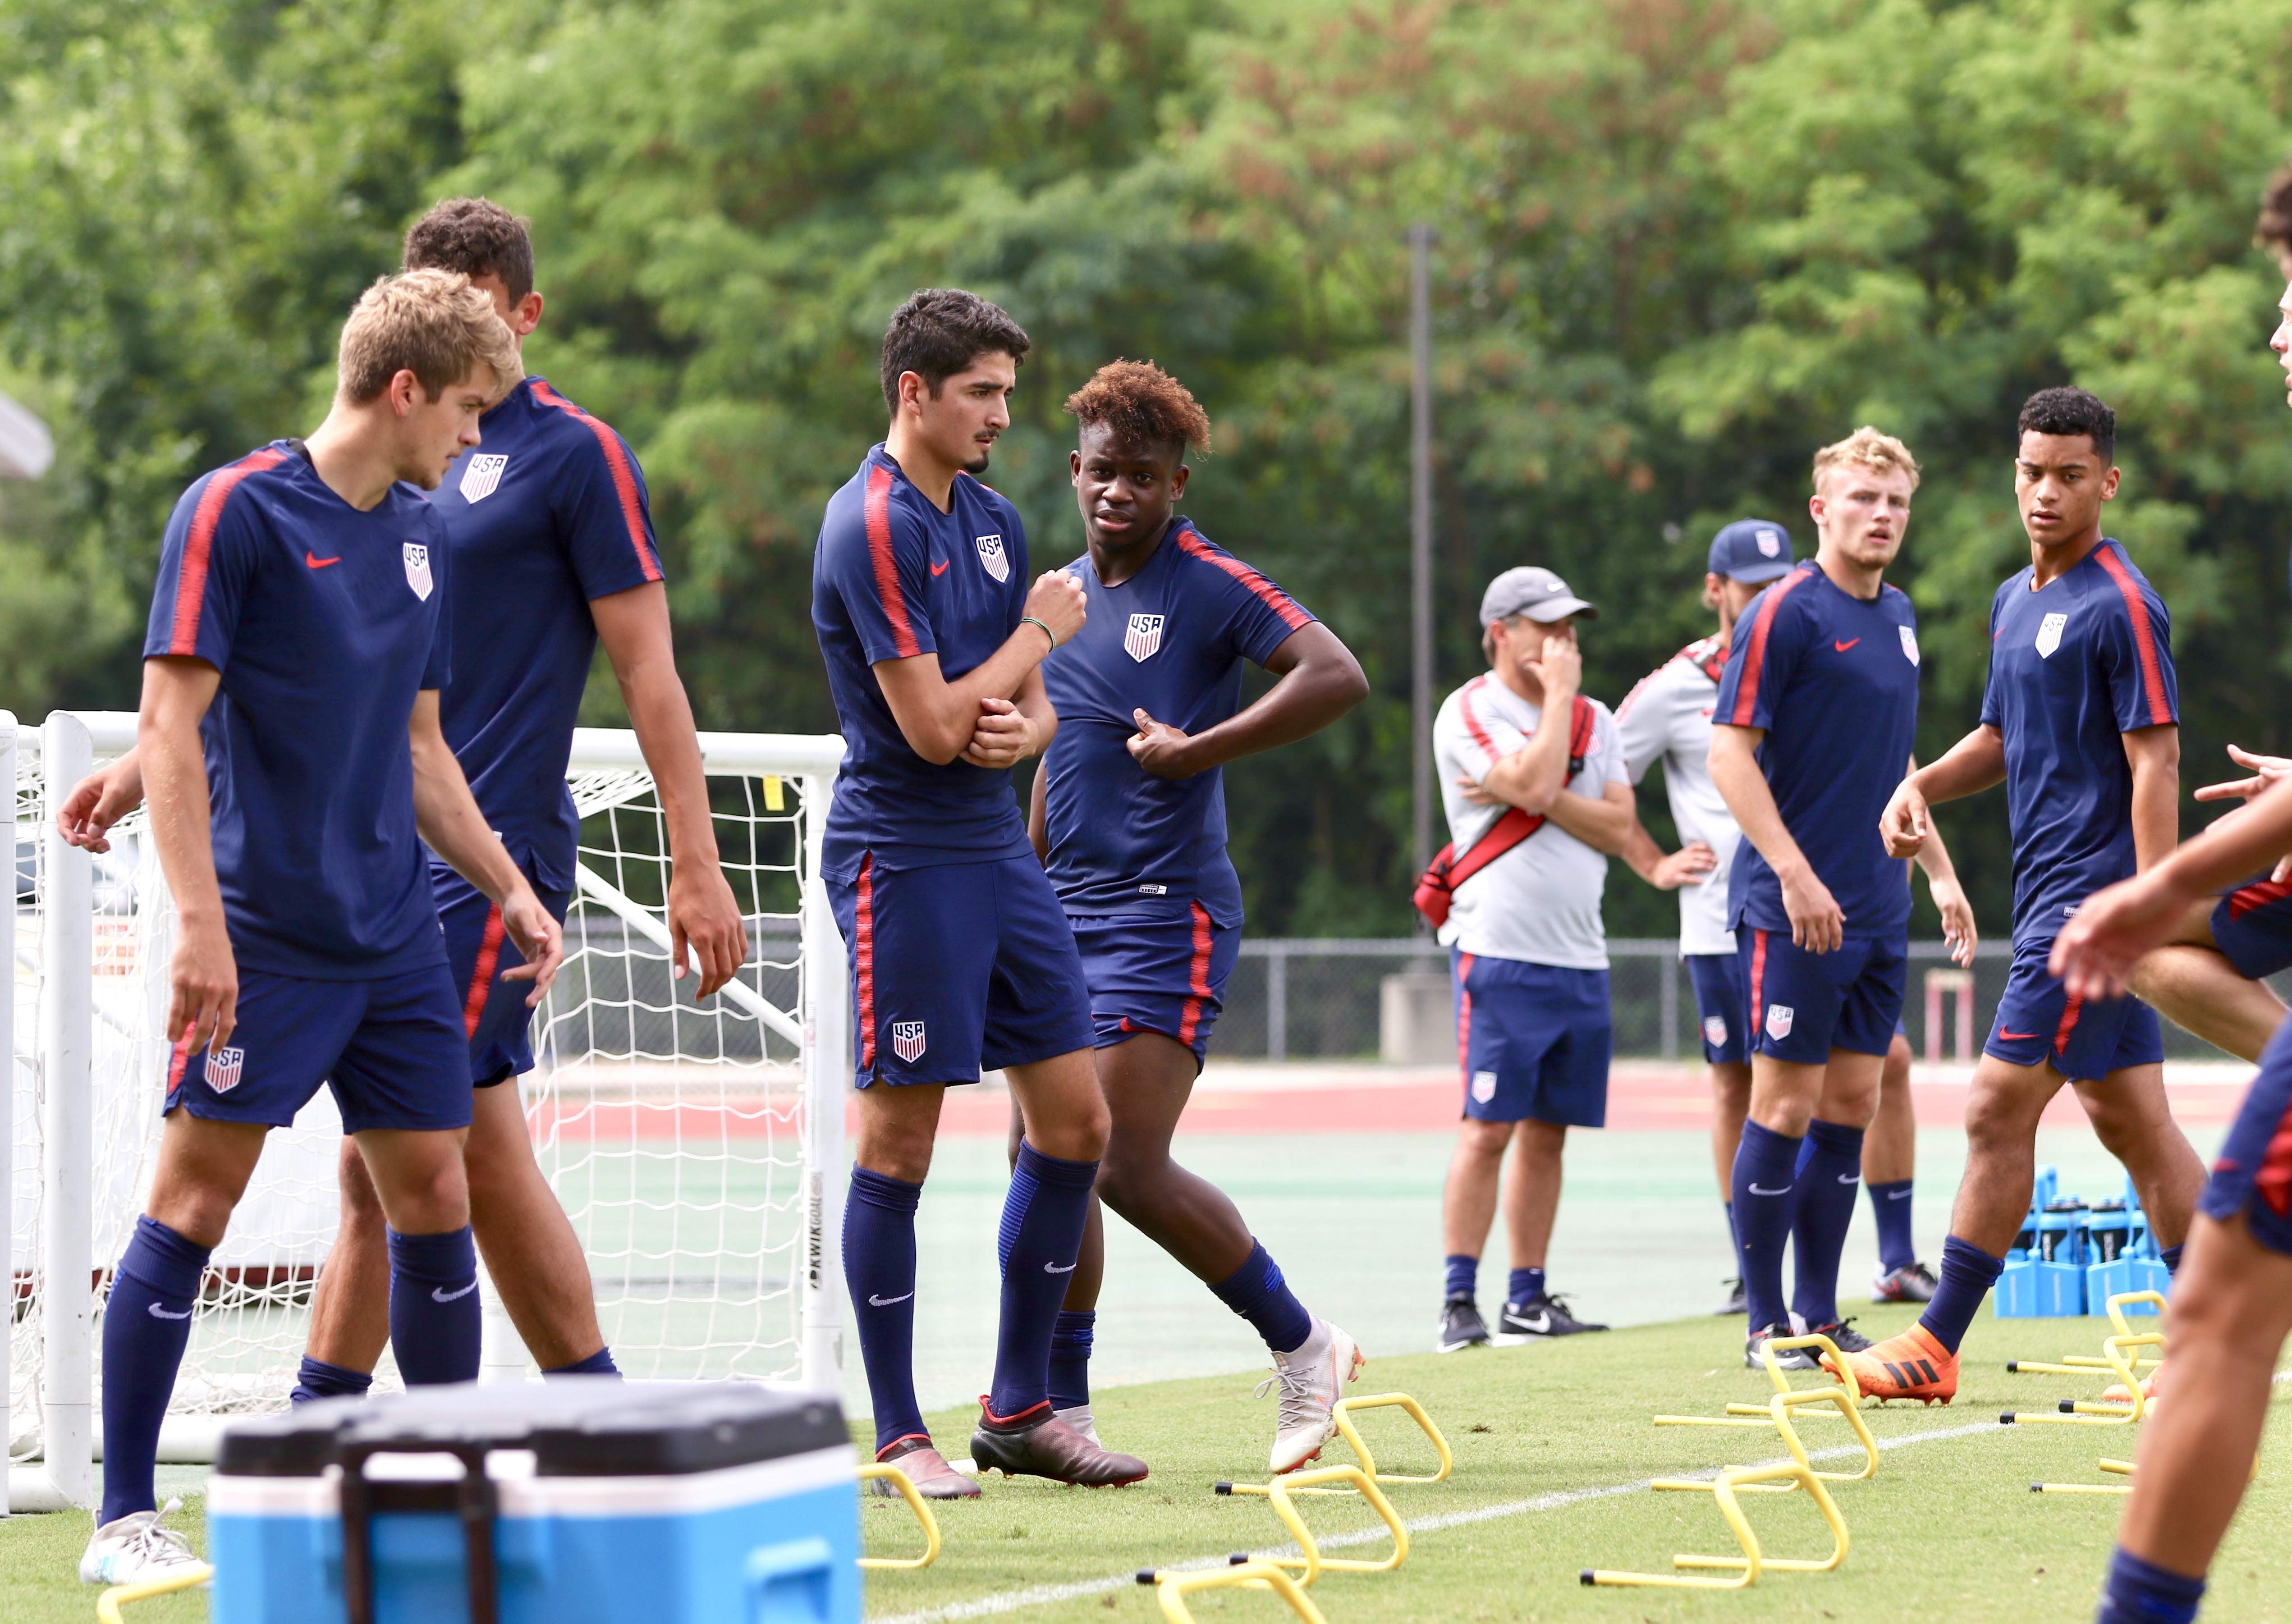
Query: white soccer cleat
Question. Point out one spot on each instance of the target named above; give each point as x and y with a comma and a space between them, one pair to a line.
136, 1548
1312, 1379
1079, 1417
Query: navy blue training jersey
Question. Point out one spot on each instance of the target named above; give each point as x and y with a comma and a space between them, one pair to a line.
894, 577
2073, 666
1170, 641
547, 513
1833, 681
325, 622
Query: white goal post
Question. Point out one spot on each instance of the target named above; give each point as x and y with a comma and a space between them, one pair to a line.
698, 1148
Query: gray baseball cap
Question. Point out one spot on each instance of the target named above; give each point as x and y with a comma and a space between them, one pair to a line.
1537, 593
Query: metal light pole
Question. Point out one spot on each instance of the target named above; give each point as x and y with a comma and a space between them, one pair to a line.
1420, 529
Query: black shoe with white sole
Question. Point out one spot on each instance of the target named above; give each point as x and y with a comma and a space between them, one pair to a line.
1461, 1325
1738, 1301
1841, 1334
1545, 1316
1789, 1358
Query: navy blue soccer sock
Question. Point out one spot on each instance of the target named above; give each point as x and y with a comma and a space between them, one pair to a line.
1524, 1286
1257, 1292
1070, 1340
434, 1316
598, 1364
1734, 1241
1889, 1204
879, 1272
1043, 1220
1762, 1192
1967, 1273
1463, 1275
1829, 1172
317, 1380
147, 1322
2138, 1592
2170, 1257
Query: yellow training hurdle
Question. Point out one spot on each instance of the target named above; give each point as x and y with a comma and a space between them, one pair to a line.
905, 1486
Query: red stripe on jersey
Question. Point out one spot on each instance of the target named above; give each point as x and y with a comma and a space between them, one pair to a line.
1197, 983
887, 567
1755, 656
1463, 1019
2273, 1180
863, 958
1472, 721
2070, 1011
481, 974
1189, 543
2144, 636
2259, 894
624, 477
1758, 984
191, 578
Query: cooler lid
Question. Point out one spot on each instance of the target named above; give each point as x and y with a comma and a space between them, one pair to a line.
583, 1426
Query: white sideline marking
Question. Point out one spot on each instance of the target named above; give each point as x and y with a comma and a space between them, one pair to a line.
1043, 1596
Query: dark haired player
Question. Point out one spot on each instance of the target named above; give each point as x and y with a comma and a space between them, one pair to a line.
961, 958
552, 550
2080, 723
2232, 1305
1129, 813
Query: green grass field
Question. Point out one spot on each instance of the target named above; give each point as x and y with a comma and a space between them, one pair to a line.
1553, 1448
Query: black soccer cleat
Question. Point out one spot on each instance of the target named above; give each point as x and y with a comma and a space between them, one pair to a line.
1543, 1316
1913, 1282
1738, 1301
1036, 1443
1461, 1325
1842, 1336
1790, 1359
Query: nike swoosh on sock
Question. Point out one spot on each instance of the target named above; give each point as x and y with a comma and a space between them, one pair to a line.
157, 1312
1786, 1190
875, 1301
438, 1294
1053, 1269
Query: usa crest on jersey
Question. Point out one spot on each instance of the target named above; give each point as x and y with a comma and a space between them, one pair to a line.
223, 1068
1909, 644
417, 569
482, 477
907, 1041
2049, 635
1145, 637
991, 555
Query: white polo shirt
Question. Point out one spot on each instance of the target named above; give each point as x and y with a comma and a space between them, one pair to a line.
1667, 719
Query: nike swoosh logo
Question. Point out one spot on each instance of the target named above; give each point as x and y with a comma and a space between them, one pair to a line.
1786, 1190
438, 1294
1053, 1269
1898, 1195
939, 569
1542, 1322
1844, 647
157, 1312
1850, 1179
316, 562
2004, 1034
875, 1301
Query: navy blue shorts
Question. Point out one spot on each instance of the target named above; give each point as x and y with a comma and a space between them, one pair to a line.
1151, 973
392, 1050
1720, 1006
2038, 1020
958, 967
478, 953
2252, 926
1533, 1041
1803, 1005
2253, 1174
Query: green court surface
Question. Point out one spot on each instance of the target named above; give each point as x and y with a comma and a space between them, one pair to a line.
1554, 1448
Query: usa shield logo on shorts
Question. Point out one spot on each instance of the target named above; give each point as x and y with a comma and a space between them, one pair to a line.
1145, 637
1779, 1021
2049, 635
1714, 1031
482, 477
1909, 644
1771, 544
417, 569
991, 555
907, 1041
1484, 1087
223, 1067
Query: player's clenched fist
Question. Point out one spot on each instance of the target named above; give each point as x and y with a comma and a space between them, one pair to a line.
1160, 748
1057, 600
1003, 736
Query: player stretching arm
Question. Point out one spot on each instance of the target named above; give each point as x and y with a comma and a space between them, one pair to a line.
302, 584
2231, 1303
2080, 723
961, 957
1129, 813
1816, 715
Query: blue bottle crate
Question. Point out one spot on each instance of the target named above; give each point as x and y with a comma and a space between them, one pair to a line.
2104, 1281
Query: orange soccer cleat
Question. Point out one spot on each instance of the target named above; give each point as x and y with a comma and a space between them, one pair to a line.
1911, 1365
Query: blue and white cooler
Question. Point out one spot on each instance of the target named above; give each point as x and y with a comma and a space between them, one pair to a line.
588, 1501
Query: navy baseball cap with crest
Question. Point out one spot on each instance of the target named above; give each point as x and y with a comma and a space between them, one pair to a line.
1752, 550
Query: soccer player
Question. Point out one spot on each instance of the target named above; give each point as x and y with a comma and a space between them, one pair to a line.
552, 551
961, 956
290, 744
1527, 947
1129, 813
1817, 712
2080, 723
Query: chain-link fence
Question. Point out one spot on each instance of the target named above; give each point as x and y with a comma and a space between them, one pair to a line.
1302, 998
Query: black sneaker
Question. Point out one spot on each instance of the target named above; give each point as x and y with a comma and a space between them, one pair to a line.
1913, 1282
1545, 1316
1737, 1301
1790, 1359
1461, 1325
1841, 1334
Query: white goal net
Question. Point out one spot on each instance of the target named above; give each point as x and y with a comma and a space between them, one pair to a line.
688, 1142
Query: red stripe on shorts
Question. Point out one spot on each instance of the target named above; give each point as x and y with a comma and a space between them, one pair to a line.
1464, 1018
863, 958
1758, 985
1198, 983
181, 1061
2069, 1013
481, 974
2259, 894
2274, 1179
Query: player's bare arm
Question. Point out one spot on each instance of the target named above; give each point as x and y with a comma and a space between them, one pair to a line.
1009, 731
203, 974
939, 719
1319, 682
2154, 754
98, 801
1976, 763
1818, 924
447, 816
1533, 778
703, 914
1957, 927
1686, 866
1603, 822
